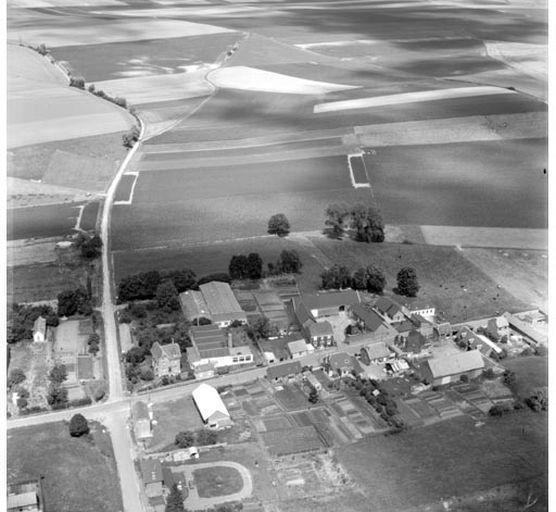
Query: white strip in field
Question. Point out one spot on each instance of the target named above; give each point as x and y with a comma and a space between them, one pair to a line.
130, 198
409, 97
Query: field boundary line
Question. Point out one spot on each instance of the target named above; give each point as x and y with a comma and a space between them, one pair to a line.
354, 183
131, 192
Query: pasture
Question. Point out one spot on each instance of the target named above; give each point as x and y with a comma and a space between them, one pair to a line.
66, 462
407, 472
217, 481
459, 290
531, 373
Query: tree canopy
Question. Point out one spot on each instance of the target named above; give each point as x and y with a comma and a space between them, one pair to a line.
167, 296
369, 278
21, 319
407, 282
336, 277
185, 439
174, 503
78, 425
278, 225
289, 262
72, 302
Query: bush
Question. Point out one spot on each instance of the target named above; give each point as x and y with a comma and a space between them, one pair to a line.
131, 137
464, 378
81, 402
79, 83
489, 374
78, 426
22, 402
185, 439
16, 377
146, 374
499, 410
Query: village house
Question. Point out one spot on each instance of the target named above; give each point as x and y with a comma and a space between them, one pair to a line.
312, 380
166, 359
214, 301
39, 330
526, 329
342, 364
212, 409
142, 427
297, 348
326, 304
320, 334
389, 310
371, 322
25, 497
411, 344
211, 345
442, 330
283, 372
469, 340
450, 368
498, 327
375, 353
418, 308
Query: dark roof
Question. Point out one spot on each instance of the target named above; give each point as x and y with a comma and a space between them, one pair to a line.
387, 306
405, 326
169, 350
377, 351
414, 341
210, 341
151, 470
85, 367
331, 299
370, 318
301, 311
283, 370
221, 301
320, 329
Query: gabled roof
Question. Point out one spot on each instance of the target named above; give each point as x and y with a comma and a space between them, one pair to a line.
320, 329
193, 305
499, 321
210, 341
297, 346
456, 364
151, 470
524, 328
221, 301
387, 306
209, 403
370, 318
331, 299
377, 351
302, 312
170, 350
444, 328
40, 325
283, 370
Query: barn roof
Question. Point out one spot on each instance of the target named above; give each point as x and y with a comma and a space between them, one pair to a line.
283, 370
209, 341
169, 350
208, 402
456, 364
331, 299
370, 318
320, 329
220, 300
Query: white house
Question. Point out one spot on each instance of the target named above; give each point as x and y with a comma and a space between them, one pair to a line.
211, 407
39, 330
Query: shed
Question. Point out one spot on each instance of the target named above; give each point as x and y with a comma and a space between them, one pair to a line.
211, 407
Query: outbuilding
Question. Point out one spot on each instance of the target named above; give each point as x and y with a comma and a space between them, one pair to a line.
212, 409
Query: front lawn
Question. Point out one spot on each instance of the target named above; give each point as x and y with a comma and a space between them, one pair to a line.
79, 474
217, 481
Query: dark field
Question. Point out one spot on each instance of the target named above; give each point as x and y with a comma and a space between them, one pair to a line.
491, 184
125, 186
451, 458
358, 168
89, 216
97, 62
42, 221
66, 463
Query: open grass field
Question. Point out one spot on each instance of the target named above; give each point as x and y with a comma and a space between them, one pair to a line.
89, 216
66, 462
217, 481
99, 62
465, 184
459, 290
38, 282
531, 373
42, 221
451, 458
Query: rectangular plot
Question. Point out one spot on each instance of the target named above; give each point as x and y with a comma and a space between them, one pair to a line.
302, 419
125, 186
276, 422
89, 216
357, 165
292, 440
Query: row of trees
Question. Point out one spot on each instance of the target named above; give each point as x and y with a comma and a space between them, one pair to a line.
57, 395
246, 267
364, 223
74, 302
145, 284
201, 437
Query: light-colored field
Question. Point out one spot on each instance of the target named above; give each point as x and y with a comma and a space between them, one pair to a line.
410, 97
28, 252
154, 89
516, 238
111, 32
460, 129
34, 4
29, 193
43, 108
529, 59
523, 273
252, 79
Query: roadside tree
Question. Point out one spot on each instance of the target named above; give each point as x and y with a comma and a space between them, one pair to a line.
78, 425
279, 225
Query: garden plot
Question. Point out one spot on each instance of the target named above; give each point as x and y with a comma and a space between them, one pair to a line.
29, 252
291, 397
292, 440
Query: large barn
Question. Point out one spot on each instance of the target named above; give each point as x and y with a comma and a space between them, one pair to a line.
211, 407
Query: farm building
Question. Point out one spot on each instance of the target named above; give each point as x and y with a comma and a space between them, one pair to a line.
25, 496
320, 334
443, 329
324, 304
211, 407
211, 345
375, 353
271, 306
283, 371
526, 329
470, 340
371, 321
39, 330
389, 310
215, 301
204, 371
151, 470
418, 308
297, 348
315, 383
166, 359
142, 427
343, 364
413, 343
498, 327
444, 370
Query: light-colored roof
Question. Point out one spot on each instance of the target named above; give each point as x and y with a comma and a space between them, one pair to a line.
490, 343
320, 329
193, 305
208, 402
524, 328
500, 321
169, 350
331, 299
21, 500
221, 301
456, 364
40, 325
297, 346
377, 351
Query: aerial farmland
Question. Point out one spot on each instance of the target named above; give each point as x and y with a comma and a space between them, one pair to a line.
166, 157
